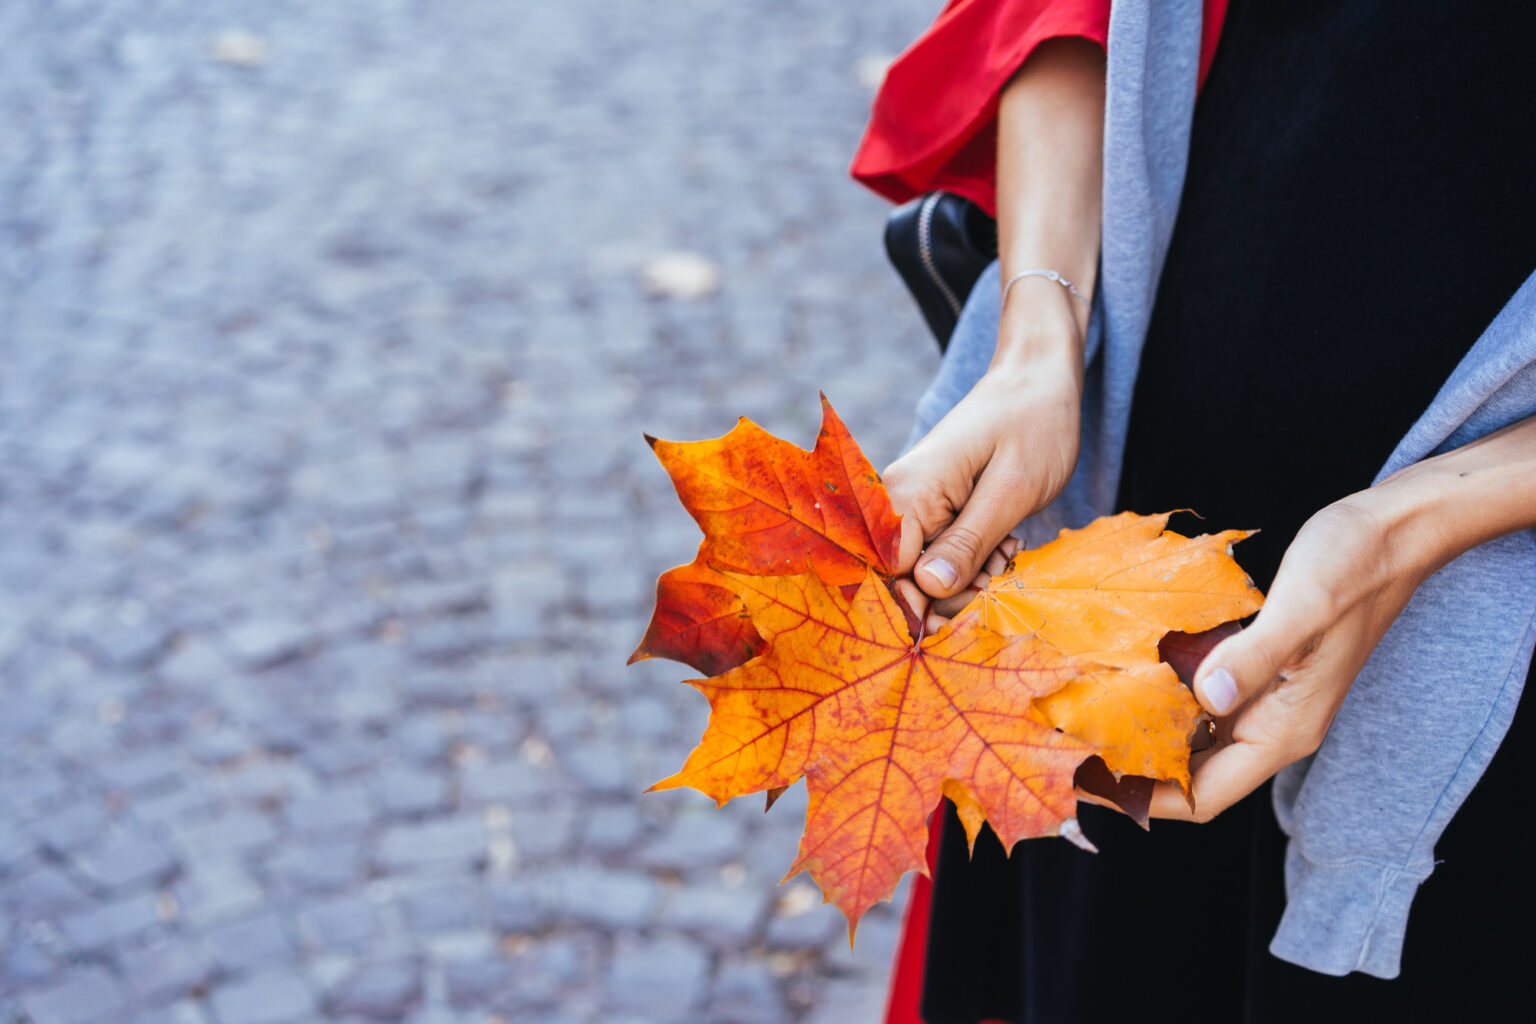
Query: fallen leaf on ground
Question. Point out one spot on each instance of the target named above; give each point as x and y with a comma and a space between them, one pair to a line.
681, 275
240, 48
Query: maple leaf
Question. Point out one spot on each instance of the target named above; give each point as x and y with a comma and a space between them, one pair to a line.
1109, 593
1111, 590
1185, 651
699, 621
1139, 720
1049, 679
1131, 795
879, 726
768, 508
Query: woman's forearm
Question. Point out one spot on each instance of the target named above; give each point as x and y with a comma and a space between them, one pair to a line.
1008, 448
1437, 509
1049, 196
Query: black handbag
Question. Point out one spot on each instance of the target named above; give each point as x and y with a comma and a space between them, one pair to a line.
940, 243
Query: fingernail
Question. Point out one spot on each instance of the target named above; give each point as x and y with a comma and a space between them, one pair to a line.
942, 571
1220, 691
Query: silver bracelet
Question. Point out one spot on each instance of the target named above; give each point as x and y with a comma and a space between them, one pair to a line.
1051, 275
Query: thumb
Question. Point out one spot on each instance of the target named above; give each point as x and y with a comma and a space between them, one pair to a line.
957, 555
1241, 666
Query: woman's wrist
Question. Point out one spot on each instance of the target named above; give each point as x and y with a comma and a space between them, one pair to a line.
1436, 510
1403, 512
1039, 332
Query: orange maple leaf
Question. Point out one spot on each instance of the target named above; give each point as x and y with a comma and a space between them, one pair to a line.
880, 726
1052, 670
699, 621
1111, 590
768, 508
1108, 593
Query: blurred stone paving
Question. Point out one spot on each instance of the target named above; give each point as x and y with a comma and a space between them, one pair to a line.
328, 332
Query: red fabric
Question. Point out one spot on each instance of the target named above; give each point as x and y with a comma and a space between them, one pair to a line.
934, 126
906, 992
934, 121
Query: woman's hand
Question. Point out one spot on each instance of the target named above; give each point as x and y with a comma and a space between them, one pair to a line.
1275, 687
1010, 446
1006, 450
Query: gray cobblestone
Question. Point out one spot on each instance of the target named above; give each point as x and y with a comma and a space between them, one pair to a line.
231, 833
659, 977
193, 664
89, 994
696, 841
804, 929
610, 828
167, 971
549, 971
447, 843
409, 792
342, 755
324, 865
72, 826
111, 923
340, 808
342, 923
26, 962
513, 781
596, 896
326, 523
260, 941
145, 770
516, 907
379, 990
126, 860
217, 890
543, 834
262, 642
44, 892
746, 993
721, 916
276, 997
478, 984
440, 906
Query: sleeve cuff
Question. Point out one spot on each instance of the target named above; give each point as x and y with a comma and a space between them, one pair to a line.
1344, 917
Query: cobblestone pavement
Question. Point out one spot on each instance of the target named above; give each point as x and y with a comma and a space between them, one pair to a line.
326, 524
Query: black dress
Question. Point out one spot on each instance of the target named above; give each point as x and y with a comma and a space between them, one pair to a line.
1359, 205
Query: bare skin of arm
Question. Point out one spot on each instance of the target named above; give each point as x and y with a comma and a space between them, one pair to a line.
1349, 573
1010, 446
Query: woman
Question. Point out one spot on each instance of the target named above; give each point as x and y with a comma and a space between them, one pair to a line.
1333, 340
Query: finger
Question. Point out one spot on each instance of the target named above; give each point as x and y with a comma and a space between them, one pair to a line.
950, 606
1242, 665
1170, 800
1222, 778
997, 561
956, 556
911, 544
913, 596
925, 494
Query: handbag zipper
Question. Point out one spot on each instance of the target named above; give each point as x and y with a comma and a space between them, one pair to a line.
925, 250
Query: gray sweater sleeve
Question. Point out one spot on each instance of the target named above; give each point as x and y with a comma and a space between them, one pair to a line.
1428, 711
